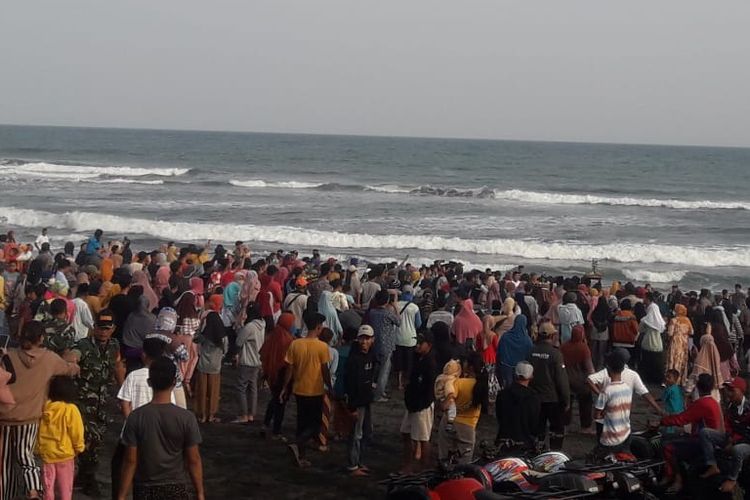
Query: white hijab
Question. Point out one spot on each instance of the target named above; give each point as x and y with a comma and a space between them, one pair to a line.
653, 318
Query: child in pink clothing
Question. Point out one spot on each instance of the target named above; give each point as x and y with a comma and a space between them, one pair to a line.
60, 439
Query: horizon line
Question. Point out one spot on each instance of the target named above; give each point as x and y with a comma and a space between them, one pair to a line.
378, 136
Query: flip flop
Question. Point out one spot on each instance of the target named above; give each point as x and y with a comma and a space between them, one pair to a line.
294, 450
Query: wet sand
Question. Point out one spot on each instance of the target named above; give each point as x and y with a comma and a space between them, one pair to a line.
240, 464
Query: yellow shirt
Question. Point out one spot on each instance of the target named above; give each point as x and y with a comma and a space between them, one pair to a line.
467, 414
60, 432
307, 356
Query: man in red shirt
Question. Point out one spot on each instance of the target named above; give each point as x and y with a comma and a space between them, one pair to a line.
704, 413
736, 435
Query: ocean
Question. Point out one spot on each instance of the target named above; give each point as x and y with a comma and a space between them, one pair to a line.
660, 214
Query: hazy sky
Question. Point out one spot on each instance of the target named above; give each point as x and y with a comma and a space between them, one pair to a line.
668, 71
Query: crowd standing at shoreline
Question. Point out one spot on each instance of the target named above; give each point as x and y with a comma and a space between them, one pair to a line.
153, 331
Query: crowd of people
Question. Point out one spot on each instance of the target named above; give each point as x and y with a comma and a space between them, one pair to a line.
154, 330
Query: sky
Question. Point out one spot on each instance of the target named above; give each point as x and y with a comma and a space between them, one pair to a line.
666, 72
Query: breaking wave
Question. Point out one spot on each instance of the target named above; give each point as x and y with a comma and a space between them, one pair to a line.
528, 249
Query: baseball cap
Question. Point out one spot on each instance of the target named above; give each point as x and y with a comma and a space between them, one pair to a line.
105, 319
737, 383
166, 320
365, 331
425, 337
301, 281
524, 370
547, 330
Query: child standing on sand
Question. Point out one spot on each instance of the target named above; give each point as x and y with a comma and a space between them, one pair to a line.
60, 439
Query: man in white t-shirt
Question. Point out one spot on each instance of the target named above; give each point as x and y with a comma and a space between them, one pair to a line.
41, 239
613, 408
600, 380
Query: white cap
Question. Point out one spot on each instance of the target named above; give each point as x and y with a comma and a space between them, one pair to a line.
365, 331
524, 370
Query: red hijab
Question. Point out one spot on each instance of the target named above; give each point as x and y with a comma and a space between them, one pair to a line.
576, 351
274, 349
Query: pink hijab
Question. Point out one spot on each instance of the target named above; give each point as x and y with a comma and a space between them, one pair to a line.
161, 280
467, 324
196, 286
140, 278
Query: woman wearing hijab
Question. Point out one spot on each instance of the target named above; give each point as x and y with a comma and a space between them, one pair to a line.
198, 289
163, 273
247, 294
679, 333
707, 361
139, 324
213, 345
514, 346
507, 317
652, 348
466, 325
326, 308
579, 365
272, 356
600, 319
717, 328
141, 278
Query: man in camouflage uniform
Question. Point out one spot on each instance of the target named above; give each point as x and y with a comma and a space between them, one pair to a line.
59, 335
101, 369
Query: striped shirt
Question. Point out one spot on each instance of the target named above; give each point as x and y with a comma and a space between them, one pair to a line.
615, 401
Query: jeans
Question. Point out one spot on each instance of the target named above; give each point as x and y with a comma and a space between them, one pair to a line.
362, 431
711, 439
247, 378
4, 328
383, 375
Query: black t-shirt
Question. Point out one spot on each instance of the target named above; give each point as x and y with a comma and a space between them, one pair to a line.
161, 432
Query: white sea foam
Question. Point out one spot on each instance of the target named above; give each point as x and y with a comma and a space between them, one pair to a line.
258, 183
118, 180
535, 197
389, 188
620, 252
585, 199
654, 276
53, 170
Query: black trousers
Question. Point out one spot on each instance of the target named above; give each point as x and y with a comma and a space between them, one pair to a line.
116, 468
554, 414
275, 411
309, 419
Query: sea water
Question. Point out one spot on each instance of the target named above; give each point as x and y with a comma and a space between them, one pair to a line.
661, 214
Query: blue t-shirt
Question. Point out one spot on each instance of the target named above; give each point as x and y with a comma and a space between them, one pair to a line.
674, 403
93, 246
